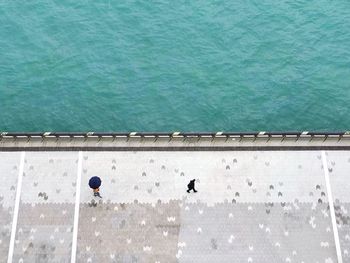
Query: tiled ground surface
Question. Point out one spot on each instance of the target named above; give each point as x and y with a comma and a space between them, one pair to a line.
46, 211
246, 232
250, 207
9, 163
44, 233
339, 167
130, 232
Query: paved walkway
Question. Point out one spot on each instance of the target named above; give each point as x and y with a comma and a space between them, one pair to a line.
251, 206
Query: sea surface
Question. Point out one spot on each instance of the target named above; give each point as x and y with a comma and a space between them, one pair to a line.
126, 65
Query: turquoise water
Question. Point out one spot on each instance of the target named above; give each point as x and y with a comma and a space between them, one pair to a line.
174, 65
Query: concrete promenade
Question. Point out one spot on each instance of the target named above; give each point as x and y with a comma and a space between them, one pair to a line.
257, 201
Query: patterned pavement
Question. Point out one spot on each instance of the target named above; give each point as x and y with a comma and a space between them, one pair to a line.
339, 176
251, 206
9, 163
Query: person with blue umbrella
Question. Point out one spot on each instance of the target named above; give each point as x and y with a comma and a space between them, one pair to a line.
95, 183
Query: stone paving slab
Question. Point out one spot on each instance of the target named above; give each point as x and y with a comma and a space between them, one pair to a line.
245, 176
44, 233
9, 163
128, 232
290, 232
339, 171
49, 177
343, 223
46, 211
251, 206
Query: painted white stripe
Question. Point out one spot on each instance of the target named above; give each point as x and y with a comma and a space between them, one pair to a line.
76, 210
331, 207
15, 213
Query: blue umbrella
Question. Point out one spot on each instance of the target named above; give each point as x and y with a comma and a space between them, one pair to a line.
95, 182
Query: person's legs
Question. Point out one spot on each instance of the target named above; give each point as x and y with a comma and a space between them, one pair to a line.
189, 187
97, 192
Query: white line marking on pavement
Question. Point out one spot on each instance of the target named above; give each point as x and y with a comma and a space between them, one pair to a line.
76, 210
15, 212
331, 207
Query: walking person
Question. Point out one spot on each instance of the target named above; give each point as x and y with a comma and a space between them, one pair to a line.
190, 186
95, 183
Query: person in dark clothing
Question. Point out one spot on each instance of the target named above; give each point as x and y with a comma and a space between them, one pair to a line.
191, 186
95, 183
